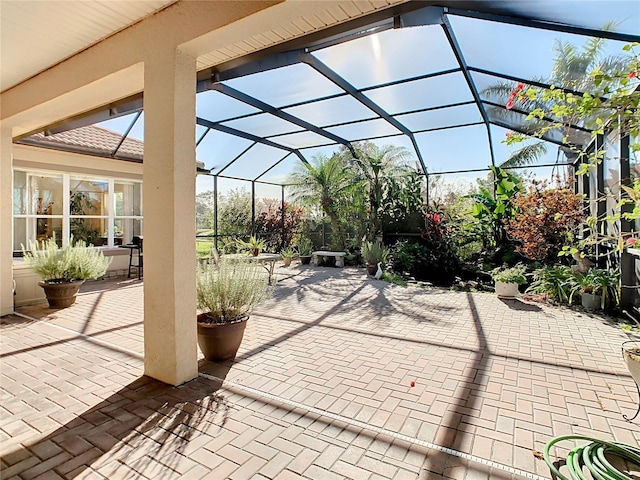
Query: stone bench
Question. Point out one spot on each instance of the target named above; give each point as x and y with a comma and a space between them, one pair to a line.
339, 256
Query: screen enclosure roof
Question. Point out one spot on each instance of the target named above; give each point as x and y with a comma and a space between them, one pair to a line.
425, 79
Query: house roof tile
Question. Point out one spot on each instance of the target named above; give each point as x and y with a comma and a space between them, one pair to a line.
92, 140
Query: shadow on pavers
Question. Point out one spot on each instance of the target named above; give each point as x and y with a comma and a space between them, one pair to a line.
143, 422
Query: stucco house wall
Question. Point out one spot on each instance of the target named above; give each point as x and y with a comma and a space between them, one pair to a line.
31, 158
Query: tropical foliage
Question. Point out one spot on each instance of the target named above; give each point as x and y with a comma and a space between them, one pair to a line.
324, 183
575, 68
494, 210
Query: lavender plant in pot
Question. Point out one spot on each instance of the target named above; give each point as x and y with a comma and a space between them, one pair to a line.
227, 294
64, 270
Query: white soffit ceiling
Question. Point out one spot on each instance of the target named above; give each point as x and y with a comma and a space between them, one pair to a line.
283, 22
35, 35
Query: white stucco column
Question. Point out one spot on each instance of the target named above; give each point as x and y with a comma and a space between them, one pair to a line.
170, 332
6, 222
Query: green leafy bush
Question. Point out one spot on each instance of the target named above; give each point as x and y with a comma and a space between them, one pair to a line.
557, 282
510, 275
304, 245
393, 278
374, 252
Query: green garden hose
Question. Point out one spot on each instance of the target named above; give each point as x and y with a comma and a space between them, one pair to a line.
593, 457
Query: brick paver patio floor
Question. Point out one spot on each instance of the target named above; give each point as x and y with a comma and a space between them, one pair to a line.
321, 388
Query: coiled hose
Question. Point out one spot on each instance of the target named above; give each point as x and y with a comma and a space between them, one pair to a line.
593, 457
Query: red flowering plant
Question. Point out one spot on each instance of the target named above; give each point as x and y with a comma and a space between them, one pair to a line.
434, 227
439, 262
276, 226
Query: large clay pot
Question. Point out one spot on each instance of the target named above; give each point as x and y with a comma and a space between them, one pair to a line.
286, 261
220, 342
61, 295
506, 290
372, 268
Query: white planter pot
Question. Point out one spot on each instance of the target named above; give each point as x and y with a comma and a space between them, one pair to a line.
506, 290
631, 354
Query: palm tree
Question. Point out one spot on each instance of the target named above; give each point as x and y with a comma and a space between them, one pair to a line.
375, 167
325, 182
572, 69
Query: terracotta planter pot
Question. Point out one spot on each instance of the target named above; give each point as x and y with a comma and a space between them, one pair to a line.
372, 268
61, 295
506, 290
286, 261
220, 342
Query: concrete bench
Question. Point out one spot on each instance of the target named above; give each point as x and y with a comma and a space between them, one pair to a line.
339, 256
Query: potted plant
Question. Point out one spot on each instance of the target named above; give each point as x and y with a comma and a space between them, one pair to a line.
598, 287
508, 279
226, 296
305, 248
631, 356
375, 255
253, 246
287, 256
64, 270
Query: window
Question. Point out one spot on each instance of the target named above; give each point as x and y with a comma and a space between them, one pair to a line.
101, 211
128, 211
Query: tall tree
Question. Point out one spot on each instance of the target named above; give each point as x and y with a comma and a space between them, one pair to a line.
376, 167
325, 182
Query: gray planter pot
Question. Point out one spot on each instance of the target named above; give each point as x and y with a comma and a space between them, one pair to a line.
591, 301
506, 290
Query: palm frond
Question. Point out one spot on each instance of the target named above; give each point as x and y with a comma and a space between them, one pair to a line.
527, 155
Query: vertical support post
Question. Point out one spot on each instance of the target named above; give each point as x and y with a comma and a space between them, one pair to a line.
283, 219
253, 207
426, 176
628, 277
601, 204
215, 212
6, 221
170, 330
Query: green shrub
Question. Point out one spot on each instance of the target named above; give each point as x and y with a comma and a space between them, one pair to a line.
510, 275
393, 278
598, 281
557, 282
374, 252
